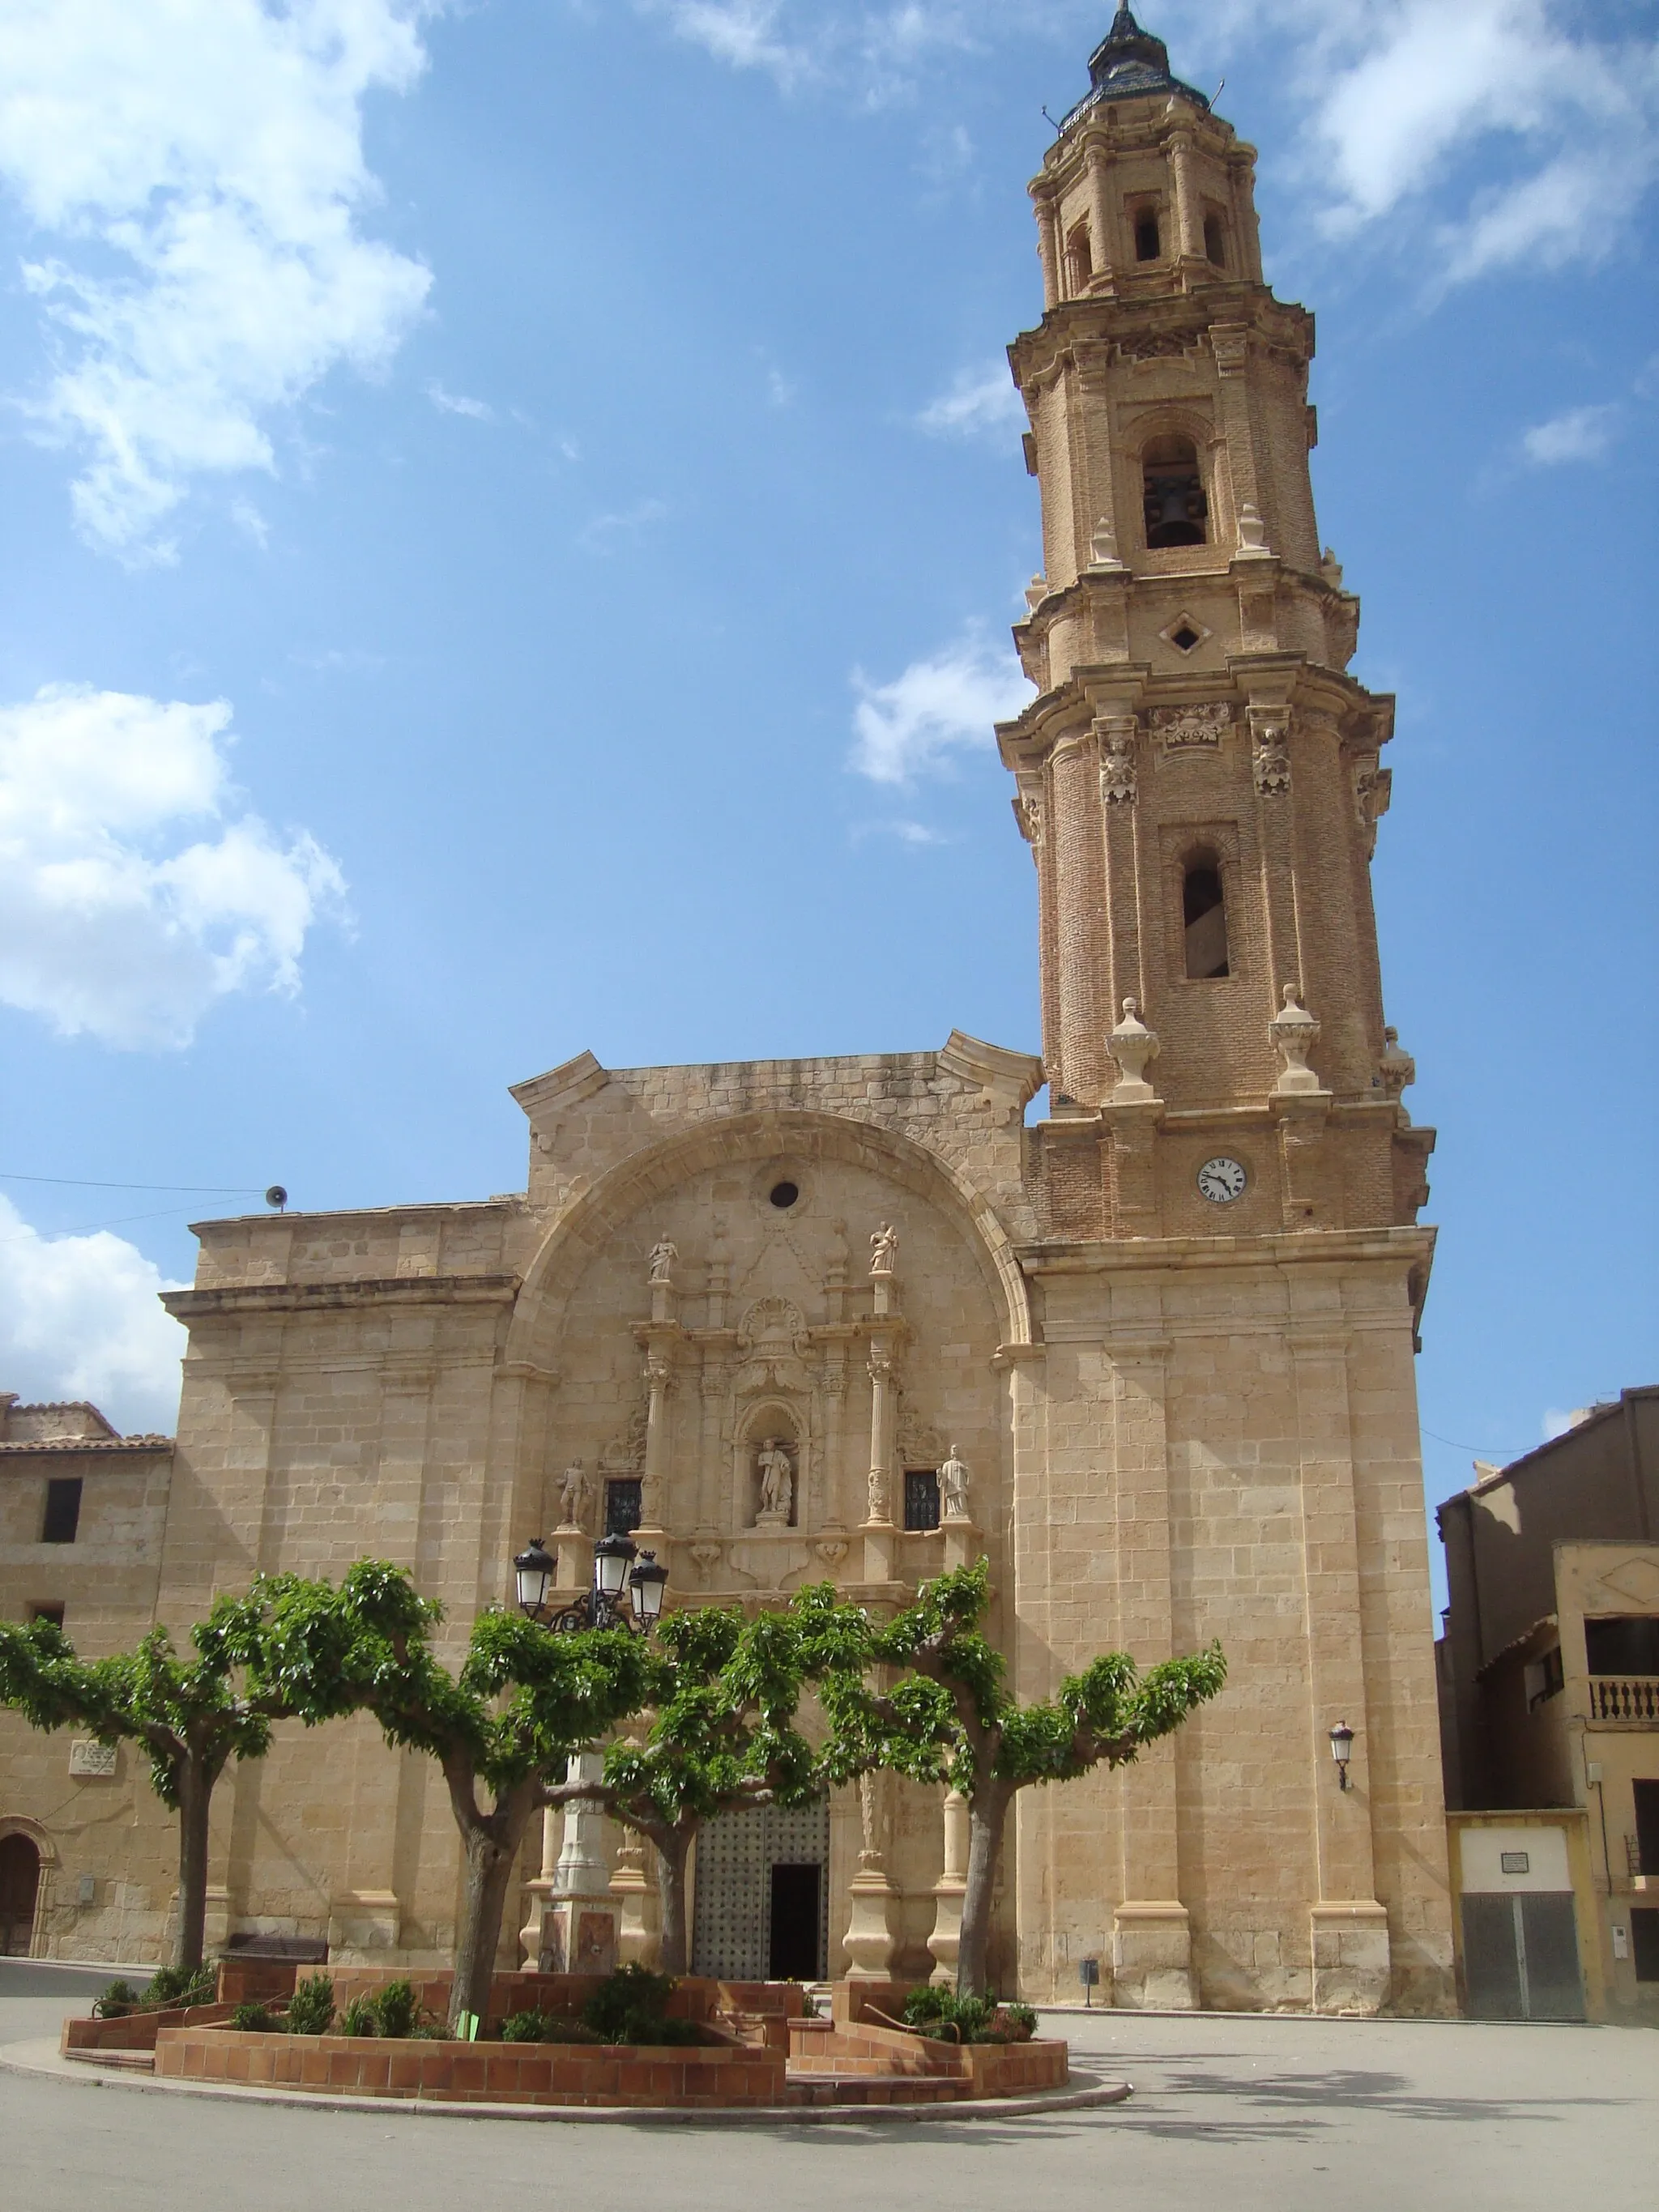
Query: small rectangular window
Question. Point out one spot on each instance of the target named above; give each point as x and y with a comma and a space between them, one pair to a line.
54, 1614
1544, 1678
1149, 243
921, 1498
625, 1507
63, 1516
1645, 1942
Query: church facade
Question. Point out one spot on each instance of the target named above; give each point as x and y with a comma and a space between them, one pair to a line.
857, 1319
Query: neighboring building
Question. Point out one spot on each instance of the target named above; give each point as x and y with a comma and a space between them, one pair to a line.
1549, 1673
82, 1514
1168, 1330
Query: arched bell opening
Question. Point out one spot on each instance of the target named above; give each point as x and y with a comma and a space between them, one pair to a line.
1176, 509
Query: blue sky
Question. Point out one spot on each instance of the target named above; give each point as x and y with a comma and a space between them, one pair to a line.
512, 513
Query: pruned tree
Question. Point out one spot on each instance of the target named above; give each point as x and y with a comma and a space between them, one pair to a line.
520, 1705
949, 1717
726, 1737
190, 1717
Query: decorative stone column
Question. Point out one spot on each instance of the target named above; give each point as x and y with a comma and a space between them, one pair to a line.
639, 1940
535, 1936
659, 1382
872, 1944
879, 1532
584, 1923
950, 1890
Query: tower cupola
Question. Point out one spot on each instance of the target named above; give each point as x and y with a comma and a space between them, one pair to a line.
1128, 63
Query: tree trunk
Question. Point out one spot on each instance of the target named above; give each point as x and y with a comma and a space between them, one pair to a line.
195, 1803
673, 1851
987, 1815
492, 1843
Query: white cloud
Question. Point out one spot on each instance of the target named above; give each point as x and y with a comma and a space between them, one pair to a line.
196, 170
1526, 132
980, 404
910, 726
741, 32
80, 1318
454, 403
1582, 433
112, 926
606, 532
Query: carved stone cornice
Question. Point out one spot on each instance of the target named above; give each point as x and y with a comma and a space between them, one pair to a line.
406, 1291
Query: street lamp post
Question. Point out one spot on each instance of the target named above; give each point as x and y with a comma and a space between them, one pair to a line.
618, 1566
1342, 1752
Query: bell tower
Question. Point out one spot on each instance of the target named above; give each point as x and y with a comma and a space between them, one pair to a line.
1215, 1427
1201, 778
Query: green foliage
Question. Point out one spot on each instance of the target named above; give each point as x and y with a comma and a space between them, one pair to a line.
950, 2018
358, 2019
544, 2027
952, 1718
947, 2017
116, 2002
255, 2019
726, 1693
397, 2010
175, 1987
630, 2006
311, 2008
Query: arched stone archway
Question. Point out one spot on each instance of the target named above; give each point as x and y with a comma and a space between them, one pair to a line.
26, 1854
766, 1329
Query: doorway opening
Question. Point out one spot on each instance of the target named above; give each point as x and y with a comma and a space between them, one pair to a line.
797, 1919
1521, 1956
20, 1891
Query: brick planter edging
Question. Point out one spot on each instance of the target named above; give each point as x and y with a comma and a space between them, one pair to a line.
614, 2075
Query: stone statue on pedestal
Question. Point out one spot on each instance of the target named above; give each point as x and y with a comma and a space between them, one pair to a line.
777, 1488
953, 1486
572, 1496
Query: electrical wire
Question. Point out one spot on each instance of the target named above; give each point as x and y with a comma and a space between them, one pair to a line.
188, 1189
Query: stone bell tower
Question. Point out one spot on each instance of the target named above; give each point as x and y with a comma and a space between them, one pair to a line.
1200, 778
1218, 1434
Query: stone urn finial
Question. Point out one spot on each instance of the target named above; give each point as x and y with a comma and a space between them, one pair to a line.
1396, 1070
1295, 1033
1252, 530
1036, 592
1133, 1047
1103, 546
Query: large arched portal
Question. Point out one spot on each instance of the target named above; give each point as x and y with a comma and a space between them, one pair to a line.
736, 1366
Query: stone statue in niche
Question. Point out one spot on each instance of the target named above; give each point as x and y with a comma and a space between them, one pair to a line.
572, 1496
953, 1488
663, 1256
884, 1250
777, 1486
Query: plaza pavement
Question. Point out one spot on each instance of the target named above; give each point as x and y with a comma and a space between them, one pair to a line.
1230, 2114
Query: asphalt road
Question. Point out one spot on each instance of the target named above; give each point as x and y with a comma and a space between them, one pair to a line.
1230, 2114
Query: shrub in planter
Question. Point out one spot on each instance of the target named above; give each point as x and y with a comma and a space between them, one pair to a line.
397, 2011
255, 2019
179, 1986
311, 2008
941, 2014
630, 2006
358, 2019
117, 2001
544, 2027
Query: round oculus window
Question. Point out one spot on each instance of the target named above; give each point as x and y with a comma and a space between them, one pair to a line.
784, 1195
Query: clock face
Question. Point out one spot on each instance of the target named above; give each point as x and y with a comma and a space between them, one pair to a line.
1222, 1181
